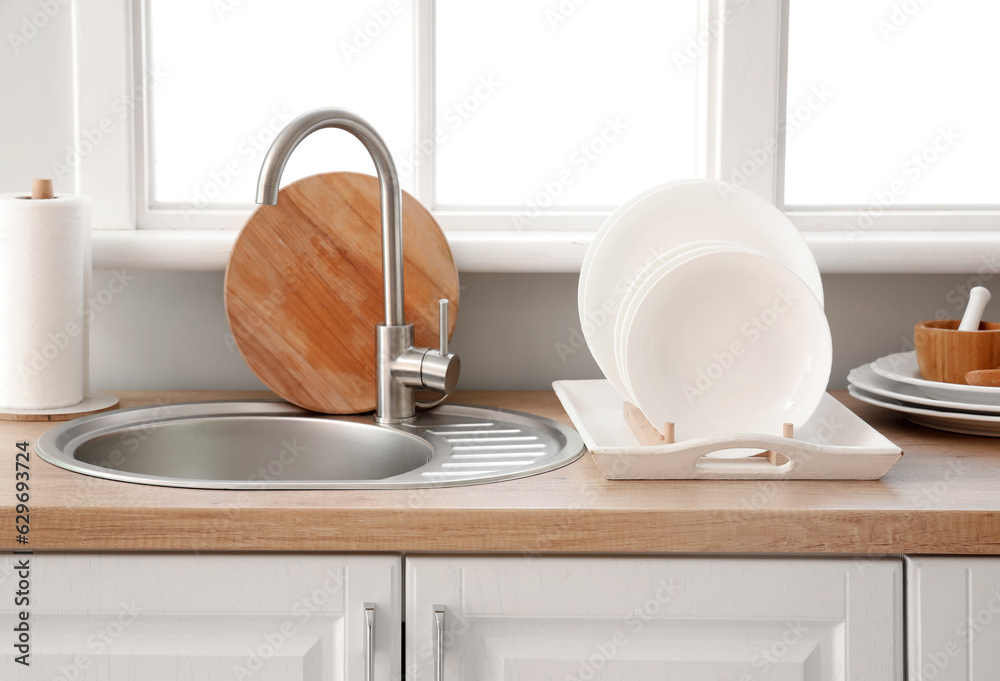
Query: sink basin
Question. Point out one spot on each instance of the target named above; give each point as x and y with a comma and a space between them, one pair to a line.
274, 445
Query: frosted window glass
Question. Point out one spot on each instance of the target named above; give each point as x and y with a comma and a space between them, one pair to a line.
562, 103
910, 105
232, 73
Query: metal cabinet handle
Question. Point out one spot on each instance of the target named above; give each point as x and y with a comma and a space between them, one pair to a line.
369, 642
438, 643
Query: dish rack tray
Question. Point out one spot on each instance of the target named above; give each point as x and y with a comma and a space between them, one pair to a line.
835, 444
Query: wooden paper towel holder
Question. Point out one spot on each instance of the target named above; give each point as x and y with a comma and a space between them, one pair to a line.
42, 189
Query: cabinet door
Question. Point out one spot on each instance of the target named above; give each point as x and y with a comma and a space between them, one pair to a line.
186, 617
953, 618
629, 619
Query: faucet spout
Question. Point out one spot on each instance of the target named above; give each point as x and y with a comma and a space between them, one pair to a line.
402, 368
391, 196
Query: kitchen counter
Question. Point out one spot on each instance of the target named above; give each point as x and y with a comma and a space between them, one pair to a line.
943, 497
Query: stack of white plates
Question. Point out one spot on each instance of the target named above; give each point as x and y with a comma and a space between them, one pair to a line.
703, 306
895, 382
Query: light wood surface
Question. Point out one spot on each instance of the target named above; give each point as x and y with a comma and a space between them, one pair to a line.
943, 497
304, 289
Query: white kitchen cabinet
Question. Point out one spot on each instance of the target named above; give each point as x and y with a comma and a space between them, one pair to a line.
576, 619
184, 617
953, 618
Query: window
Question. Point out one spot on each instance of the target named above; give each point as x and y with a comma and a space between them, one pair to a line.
893, 103
226, 82
577, 109
522, 124
223, 78
533, 107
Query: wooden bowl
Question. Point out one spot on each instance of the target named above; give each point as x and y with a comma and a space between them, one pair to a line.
946, 354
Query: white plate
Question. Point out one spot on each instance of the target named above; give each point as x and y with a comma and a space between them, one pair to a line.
649, 275
728, 342
953, 422
666, 217
588, 257
865, 378
903, 367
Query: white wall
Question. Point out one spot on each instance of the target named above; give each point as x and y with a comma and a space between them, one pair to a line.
36, 82
167, 329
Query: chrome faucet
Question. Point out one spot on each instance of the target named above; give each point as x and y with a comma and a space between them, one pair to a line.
402, 368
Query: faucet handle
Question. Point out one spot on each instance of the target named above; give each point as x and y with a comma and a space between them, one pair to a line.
423, 369
443, 326
438, 369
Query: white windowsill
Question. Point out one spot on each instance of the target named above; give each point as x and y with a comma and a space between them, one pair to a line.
481, 251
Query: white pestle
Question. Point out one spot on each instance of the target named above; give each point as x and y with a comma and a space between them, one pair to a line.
978, 298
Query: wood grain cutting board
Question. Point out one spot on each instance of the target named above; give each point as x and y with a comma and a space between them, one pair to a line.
304, 289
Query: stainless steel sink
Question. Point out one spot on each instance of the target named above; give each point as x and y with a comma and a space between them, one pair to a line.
274, 445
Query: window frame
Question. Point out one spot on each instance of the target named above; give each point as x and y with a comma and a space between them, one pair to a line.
109, 58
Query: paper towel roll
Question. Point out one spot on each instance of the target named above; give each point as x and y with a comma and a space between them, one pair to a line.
44, 265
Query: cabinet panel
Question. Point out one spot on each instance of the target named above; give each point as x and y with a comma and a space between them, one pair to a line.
953, 618
186, 617
644, 618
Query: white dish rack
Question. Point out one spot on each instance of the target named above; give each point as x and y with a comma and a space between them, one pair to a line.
834, 444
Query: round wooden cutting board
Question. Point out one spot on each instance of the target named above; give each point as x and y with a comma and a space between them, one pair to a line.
304, 289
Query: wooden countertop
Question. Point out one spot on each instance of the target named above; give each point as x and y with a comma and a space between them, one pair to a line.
942, 497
